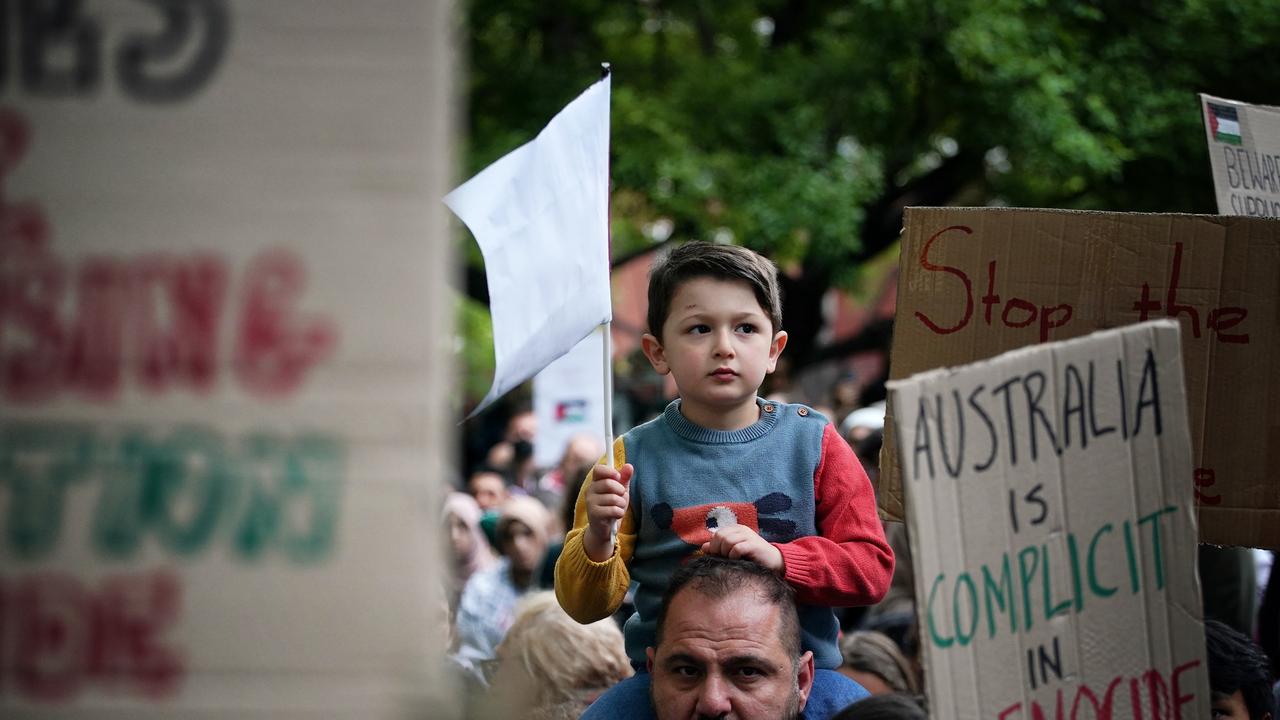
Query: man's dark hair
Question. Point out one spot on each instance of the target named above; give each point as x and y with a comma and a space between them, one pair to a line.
719, 577
720, 262
488, 470
1235, 663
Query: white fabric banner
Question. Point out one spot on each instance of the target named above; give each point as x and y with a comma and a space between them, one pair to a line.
541, 217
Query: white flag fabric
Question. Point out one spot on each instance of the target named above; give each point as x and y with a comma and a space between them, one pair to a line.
541, 217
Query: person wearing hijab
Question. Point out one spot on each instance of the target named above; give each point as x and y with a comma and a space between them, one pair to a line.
487, 607
876, 663
468, 548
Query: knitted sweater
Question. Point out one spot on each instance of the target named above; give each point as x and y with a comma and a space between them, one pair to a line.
790, 477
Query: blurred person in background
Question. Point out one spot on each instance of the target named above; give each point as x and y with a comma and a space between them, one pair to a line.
1239, 674
876, 662
549, 665
844, 395
488, 487
487, 607
860, 423
469, 550
893, 706
580, 454
512, 456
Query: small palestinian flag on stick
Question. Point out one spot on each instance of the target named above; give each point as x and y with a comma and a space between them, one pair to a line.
1224, 123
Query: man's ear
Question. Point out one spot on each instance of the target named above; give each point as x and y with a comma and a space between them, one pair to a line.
652, 347
804, 677
775, 349
648, 663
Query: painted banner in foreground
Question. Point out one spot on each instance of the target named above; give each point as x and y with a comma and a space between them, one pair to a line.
220, 386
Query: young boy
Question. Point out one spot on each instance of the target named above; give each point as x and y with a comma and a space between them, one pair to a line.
724, 472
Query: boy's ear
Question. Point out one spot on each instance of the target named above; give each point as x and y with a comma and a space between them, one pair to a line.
775, 349
657, 357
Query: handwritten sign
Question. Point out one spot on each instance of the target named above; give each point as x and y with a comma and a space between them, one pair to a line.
219, 316
977, 282
1051, 511
1244, 150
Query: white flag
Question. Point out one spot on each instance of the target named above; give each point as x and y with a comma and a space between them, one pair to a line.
541, 217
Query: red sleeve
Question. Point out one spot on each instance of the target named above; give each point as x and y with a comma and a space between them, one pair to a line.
849, 562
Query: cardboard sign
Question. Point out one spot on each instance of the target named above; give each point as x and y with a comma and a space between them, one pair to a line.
976, 282
221, 396
1053, 531
568, 400
1244, 150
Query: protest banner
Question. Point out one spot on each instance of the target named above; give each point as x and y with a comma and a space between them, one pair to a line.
221, 321
1052, 525
1244, 150
976, 282
568, 400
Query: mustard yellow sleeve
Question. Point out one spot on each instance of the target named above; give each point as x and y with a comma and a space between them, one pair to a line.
589, 591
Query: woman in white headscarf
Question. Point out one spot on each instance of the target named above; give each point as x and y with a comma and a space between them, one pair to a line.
468, 548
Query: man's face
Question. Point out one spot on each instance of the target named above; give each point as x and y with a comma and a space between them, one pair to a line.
724, 659
522, 546
718, 344
489, 490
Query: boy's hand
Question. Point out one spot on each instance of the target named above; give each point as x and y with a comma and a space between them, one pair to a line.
740, 541
607, 501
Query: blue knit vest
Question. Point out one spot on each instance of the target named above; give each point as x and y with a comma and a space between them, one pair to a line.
689, 480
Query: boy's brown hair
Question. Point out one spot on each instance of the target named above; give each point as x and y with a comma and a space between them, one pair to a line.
721, 262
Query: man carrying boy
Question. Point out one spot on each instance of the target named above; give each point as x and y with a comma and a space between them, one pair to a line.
724, 472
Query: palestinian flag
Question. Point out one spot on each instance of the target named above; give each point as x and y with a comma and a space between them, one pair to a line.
571, 411
1224, 123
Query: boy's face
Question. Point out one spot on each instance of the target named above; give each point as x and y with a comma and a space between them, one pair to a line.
718, 344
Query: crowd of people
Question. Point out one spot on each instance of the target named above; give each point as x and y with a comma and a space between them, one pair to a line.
756, 579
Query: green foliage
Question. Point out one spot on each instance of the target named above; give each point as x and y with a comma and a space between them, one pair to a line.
475, 349
798, 128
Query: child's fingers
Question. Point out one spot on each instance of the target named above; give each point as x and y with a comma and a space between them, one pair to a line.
604, 472
608, 500
609, 512
611, 488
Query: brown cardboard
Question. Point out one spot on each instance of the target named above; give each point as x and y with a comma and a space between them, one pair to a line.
1054, 536
1056, 274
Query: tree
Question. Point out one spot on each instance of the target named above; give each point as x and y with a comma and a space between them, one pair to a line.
802, 129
